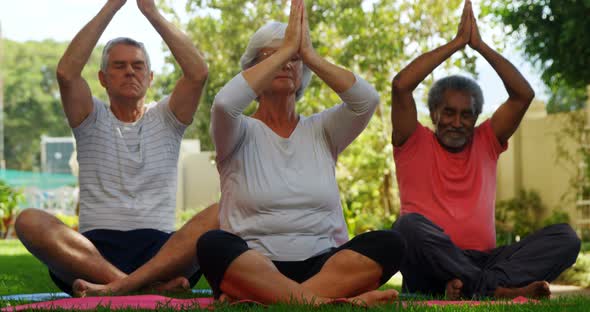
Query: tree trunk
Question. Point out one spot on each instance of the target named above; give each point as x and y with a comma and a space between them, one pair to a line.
6, 222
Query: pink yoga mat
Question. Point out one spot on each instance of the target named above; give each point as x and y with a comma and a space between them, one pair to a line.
153, 302
114, 303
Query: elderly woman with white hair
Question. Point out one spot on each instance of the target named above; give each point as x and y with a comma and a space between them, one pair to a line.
282, 234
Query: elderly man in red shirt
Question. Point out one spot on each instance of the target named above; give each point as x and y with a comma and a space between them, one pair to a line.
447, 181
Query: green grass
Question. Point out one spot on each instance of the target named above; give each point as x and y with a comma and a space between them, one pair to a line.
20, 273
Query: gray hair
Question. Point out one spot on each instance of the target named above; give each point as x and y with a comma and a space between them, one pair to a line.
262, 38
458, 83
122, 40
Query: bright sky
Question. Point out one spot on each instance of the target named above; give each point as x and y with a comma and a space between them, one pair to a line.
60, 20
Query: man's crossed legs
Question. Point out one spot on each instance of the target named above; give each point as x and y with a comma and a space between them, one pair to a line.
434, 265
97, 263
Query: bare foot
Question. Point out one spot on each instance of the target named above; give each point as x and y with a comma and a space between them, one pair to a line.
538, 290
453, 290
374, 297
82, 288
226, 298
179, 284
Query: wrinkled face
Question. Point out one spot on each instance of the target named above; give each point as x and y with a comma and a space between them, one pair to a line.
454, 120
127, 74
288, 79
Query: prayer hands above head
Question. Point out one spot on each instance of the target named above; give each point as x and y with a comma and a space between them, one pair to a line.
475, 41
465, 28
306, 49
292, 41
147, 6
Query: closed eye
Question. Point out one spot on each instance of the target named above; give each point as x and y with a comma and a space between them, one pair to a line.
448, 112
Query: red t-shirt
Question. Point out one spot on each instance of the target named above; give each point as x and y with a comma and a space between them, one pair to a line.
456, 191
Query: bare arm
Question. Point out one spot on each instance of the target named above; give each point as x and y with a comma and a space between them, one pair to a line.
403, 107
75, 93
507, 117
187, 92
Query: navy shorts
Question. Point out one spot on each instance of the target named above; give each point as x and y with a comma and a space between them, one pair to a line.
126, 250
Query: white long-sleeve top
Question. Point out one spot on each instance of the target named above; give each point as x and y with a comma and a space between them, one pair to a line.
280, 194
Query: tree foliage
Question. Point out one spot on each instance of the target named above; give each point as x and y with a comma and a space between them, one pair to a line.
375, 39
554, 34
565, 98
523, 215
32, 105
9, 201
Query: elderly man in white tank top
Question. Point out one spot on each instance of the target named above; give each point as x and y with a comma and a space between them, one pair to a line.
128, 153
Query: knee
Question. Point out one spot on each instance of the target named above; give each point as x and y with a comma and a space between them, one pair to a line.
568, 240
395, 245
27, 221
415, 228
391, 240
213, 243
387, 248
209, 241
409, 222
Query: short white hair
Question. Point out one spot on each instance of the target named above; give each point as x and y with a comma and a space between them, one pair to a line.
126, 41
263, 38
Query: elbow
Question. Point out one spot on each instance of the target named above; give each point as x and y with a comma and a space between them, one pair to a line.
63, 75
525, 97
203, 74
529, 95
200, 76
374, 99
219, 104
397, 85
398, 90
66, 71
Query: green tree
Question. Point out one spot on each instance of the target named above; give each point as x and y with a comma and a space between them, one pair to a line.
555, 37
565, 98
373, 38
553, 34
9, 201
521, 215
32, 104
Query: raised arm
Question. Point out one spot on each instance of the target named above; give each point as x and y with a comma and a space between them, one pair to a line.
343, 123
75, 93
187, 92
507, 117
336, 77
404, 117
261, 75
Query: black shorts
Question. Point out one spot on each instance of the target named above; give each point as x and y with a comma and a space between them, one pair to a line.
217, 249
126, 250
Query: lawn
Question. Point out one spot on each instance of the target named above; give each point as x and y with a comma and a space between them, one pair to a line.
22, 273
